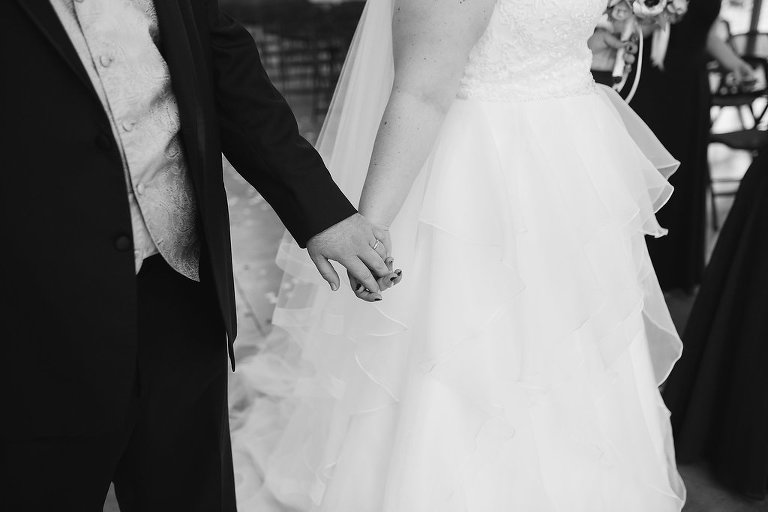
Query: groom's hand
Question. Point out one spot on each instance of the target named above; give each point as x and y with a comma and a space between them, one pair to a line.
351, 242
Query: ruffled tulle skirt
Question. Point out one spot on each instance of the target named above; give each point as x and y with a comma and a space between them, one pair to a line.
516, 366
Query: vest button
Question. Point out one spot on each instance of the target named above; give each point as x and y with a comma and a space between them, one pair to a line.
103, 141
123, 243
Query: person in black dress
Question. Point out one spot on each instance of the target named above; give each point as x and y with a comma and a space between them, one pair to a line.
675, 103
718, 392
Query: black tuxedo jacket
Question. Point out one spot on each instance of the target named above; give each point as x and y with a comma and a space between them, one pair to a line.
67, 280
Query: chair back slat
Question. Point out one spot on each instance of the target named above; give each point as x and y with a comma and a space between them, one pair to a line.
750, 44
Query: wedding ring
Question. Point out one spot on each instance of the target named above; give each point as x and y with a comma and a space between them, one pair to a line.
376, 244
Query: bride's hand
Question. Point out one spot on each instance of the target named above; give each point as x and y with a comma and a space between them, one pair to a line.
385, 283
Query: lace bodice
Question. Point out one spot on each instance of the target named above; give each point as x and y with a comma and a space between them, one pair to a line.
533, 49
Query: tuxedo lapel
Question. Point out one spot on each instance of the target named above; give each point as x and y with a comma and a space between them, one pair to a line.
177, 52
186, 82
44, 17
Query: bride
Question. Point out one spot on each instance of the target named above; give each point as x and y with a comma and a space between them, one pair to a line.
516, 366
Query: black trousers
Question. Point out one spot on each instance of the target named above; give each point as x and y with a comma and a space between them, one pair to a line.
173, 451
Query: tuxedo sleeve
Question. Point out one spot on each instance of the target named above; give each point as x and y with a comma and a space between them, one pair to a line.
260, 136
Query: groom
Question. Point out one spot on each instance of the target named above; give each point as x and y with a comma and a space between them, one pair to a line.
116, 280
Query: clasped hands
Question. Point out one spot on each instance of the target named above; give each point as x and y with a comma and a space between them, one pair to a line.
364, 249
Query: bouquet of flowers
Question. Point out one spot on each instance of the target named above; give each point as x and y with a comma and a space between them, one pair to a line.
641, 17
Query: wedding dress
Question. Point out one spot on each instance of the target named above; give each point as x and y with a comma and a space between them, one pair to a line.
516, 367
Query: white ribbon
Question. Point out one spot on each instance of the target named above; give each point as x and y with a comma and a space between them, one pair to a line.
659, 45
618, 68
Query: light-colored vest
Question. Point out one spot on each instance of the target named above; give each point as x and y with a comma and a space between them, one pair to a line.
117, 43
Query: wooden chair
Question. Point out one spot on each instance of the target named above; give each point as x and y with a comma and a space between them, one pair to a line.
752, 136
753, 44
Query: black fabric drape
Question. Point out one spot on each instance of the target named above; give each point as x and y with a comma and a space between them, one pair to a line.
718, 392
675, 102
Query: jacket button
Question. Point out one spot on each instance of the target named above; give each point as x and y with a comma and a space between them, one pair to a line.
123, 243
103, 141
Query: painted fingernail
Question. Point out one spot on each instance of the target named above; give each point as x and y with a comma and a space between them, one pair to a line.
359, 288
377, 299
399, 272
334, 286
